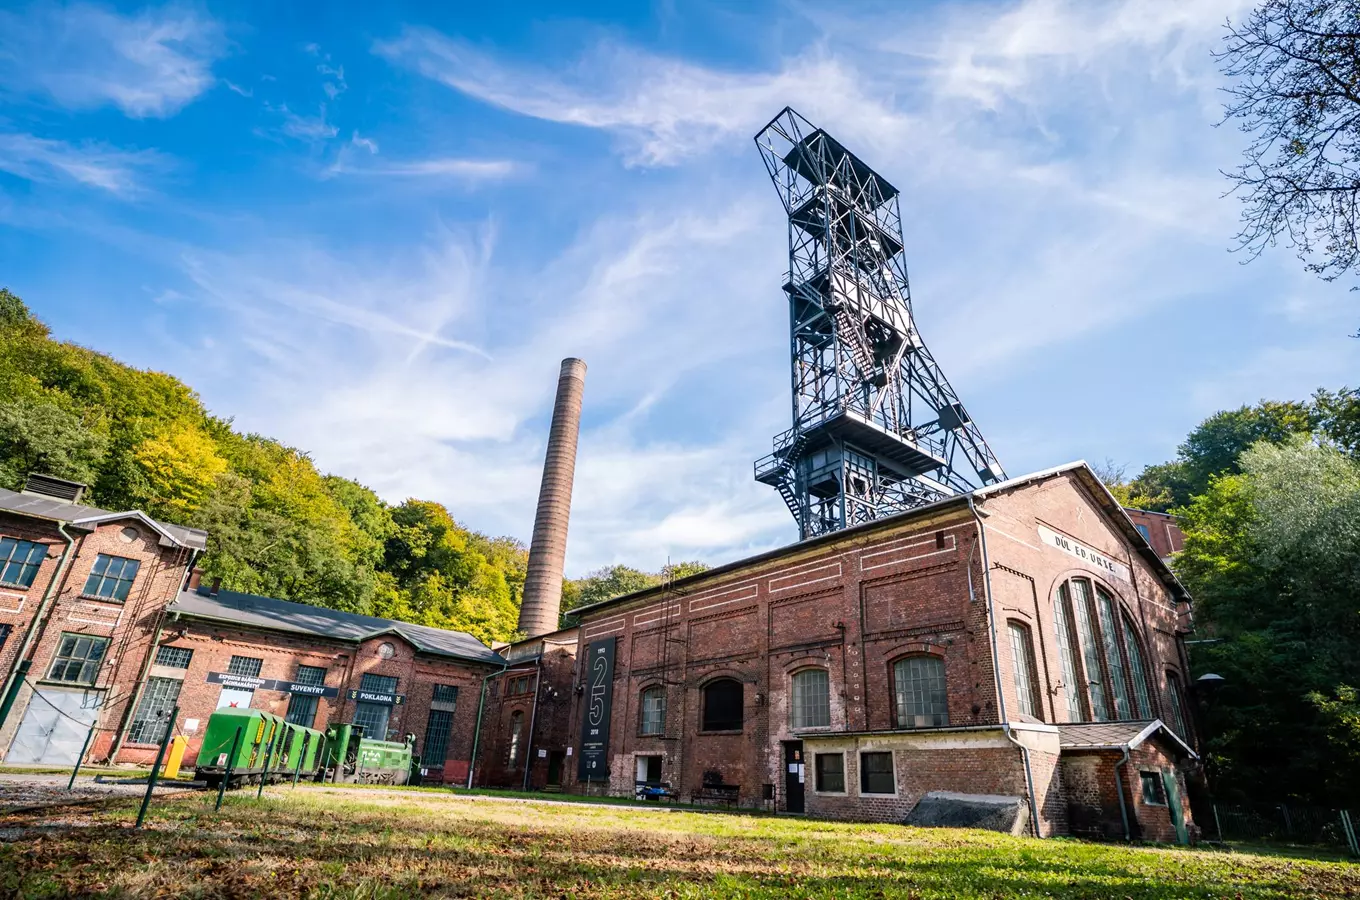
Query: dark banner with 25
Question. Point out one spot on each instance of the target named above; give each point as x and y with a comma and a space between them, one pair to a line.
599, 696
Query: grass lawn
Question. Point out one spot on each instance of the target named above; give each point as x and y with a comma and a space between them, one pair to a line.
327, 844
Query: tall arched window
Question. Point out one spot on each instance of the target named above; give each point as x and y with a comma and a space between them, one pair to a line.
1137, 672
516, 729
653, 712
1022, 663
723, 702
811, 706
1103, 666
1173, 694
1071, 681
919, 692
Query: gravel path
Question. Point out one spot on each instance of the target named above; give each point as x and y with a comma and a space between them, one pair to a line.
24, 791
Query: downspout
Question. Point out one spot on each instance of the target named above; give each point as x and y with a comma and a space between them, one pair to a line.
533, 717
15, 679
1119, 786
145, 670
477, 731
996, 665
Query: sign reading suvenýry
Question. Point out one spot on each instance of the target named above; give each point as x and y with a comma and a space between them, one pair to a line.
599, 696
249, 683
1093, 558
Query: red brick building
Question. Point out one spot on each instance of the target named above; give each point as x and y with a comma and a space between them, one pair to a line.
967, 647
91, 601
526, 731
82, 594
1160, 530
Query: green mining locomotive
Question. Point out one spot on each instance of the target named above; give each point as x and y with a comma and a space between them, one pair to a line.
272, 749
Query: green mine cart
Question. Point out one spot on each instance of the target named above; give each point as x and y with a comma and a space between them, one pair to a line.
291, 749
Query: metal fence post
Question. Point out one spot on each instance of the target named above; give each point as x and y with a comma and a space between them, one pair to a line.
1348, 829
231, 762
1218, 823
1288, 825
156, 769
268, 755
89, 735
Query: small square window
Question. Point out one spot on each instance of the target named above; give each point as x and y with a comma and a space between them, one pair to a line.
445, 693
830, 772
1154, 791
174, 657
312, 676
378, 684
19, 561
111, 578
78, 659
246, 666
876, 773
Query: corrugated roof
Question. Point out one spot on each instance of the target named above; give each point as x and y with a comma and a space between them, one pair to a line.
1116, 735
271, 614
61, 511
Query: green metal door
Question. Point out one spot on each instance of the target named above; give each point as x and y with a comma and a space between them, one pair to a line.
1173, 801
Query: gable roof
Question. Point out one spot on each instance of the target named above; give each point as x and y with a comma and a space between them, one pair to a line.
270, 614
1118, 736
89, 517
1079, 469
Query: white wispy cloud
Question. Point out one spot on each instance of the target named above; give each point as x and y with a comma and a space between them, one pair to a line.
119, 172
149, 64
466, 170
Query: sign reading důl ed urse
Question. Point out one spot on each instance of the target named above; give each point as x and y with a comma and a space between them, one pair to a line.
599, 696
249, 683
1093, 558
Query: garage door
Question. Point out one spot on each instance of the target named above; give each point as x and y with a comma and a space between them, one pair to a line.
55, 726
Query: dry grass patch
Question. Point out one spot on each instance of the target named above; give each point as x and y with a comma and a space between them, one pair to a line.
318, 843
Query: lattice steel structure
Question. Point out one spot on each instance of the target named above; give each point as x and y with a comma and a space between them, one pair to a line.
876, 427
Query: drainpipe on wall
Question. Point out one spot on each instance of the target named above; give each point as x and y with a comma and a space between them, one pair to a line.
477, 731
1119, 786
996, 667
15, 681
533, 717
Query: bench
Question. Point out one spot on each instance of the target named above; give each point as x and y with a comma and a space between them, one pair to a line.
652, 790
725, 794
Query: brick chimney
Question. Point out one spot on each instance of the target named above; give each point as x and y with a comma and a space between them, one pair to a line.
538, 612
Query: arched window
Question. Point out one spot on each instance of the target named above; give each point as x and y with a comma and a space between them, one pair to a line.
653, 711
1022, 662
723, 702
1071, 681
516, 729
811, 706
919, 691
1173, 693
1137, 672
1103, 667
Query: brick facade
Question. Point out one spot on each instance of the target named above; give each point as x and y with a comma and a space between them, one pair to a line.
129, 625
345, 664
941, 583
536, 688
149, 619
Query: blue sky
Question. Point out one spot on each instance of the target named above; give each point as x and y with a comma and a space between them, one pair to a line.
373, 230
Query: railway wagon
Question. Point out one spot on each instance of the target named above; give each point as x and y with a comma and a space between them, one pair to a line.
270, 748
352, 757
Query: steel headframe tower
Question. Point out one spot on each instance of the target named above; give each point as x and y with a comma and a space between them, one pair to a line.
876, 427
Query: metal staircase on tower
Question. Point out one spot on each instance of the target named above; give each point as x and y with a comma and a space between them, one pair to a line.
877, 428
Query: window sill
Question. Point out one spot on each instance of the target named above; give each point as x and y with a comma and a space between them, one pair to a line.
81, 685
876, 794
721, 731
98, 599
15, 587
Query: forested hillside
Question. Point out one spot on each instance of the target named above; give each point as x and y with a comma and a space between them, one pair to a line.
1269, 499
276, 525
